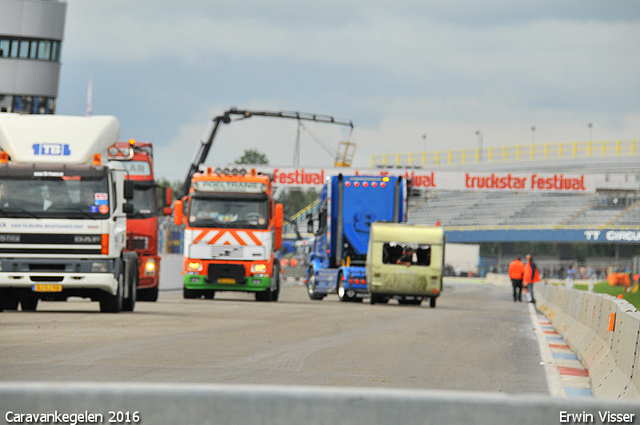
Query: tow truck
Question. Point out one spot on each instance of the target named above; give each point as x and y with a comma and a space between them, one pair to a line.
233, 230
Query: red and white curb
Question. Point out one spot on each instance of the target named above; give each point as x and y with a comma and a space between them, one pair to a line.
566, 376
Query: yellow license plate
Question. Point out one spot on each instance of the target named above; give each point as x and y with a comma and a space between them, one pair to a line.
47, 288
226, 280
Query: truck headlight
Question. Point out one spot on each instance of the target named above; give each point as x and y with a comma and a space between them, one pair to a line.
194, 266
150, 267
98, 267
258, 268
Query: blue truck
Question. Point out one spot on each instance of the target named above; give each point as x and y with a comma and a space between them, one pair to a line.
348, 206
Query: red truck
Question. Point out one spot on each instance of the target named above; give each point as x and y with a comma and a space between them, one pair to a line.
142, 224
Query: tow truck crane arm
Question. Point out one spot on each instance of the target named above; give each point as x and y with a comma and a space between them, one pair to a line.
206, 142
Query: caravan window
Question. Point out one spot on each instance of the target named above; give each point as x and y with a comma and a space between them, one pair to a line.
406, 253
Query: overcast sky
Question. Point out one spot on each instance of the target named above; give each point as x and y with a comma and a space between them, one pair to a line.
400, 69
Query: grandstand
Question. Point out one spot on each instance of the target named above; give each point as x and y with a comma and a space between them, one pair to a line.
557, 222
518, 209
596, 226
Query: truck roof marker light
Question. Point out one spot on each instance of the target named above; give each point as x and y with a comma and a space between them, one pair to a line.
132, 142
365, 184
209, 170
242, 172
218, 170
253, 172
383, 184
4, 157
356, 184
104, 244
347, 184
97, 159
374, 184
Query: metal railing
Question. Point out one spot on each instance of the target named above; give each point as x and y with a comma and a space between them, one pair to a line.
508, 154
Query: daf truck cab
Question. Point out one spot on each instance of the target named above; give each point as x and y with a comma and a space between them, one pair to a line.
63, 213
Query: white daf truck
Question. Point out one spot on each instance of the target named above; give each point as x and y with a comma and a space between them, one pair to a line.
63, 213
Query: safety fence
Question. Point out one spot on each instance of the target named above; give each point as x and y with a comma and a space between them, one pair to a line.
603, 331
170, 404
508, 154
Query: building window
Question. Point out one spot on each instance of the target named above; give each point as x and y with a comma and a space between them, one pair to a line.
33, 50
27, 104
14, 47
5, 45
55, 50
24, 49
15, 44
44, 49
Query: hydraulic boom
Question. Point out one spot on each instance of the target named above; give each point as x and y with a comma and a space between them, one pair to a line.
206, 142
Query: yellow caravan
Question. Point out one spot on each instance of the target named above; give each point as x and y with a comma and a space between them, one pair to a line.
405, 261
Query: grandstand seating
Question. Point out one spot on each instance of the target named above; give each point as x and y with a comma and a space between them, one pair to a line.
479, 209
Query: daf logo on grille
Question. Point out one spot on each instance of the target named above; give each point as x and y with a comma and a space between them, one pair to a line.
87, 239
9, 238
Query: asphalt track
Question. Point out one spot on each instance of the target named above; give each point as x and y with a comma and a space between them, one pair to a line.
476, 339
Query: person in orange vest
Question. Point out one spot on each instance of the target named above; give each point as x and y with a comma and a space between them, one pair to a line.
531, 276
516, 271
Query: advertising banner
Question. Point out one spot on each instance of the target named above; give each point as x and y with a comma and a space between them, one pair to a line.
545, 235
449, 180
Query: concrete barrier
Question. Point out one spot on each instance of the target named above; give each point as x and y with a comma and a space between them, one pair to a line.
603, 331
497, 279
170, 404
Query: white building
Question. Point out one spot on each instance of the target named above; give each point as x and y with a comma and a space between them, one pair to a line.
31, 33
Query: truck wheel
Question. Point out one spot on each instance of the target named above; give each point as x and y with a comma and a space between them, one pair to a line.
9, 299
190, 293
131, 280
275, 293
311, 285
148, 294
29, 302
342, 293
113, 303
263, 295
432, 302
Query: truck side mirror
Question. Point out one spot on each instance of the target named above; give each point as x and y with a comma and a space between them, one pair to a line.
178, 214
168, 197
128, 189
279, 220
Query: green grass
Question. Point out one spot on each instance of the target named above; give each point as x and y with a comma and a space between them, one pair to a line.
604, 288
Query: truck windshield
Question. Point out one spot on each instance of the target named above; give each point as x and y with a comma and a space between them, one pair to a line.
54, 193
144, 201
249, 212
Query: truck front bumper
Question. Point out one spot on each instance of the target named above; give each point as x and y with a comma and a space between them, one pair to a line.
67, 281
250, 284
